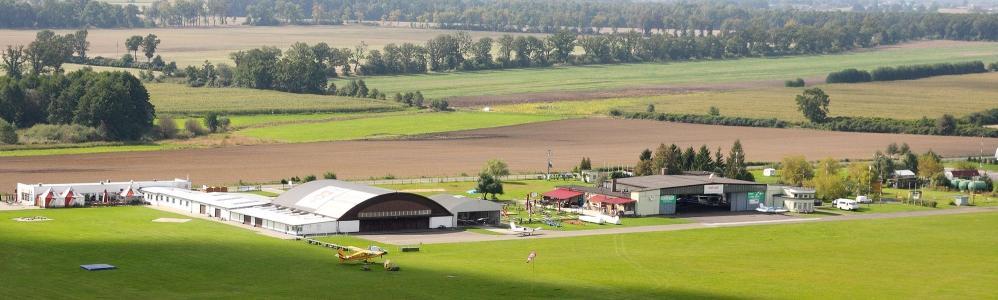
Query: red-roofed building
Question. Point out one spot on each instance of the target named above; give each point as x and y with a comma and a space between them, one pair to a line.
564, 197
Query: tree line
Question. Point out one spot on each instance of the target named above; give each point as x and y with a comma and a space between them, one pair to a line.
906, 72
673, 160
751, 21
116, 104
49, 51
299, 69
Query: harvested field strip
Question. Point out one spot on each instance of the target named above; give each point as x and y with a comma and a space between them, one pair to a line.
387, 127
469, 85
911, 99
524, 147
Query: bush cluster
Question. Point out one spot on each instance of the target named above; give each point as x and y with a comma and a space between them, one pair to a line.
799, 82
702, 119
924, 126
906, 72
923, 71
127, 61
60, 133
848, 76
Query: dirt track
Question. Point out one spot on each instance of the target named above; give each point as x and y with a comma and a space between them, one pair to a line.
606, 141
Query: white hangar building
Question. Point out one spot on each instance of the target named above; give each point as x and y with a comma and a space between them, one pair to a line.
333, 206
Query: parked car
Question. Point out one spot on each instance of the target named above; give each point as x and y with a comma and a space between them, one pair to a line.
863, 199
846, 204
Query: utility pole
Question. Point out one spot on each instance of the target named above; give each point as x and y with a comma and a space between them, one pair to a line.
548, 176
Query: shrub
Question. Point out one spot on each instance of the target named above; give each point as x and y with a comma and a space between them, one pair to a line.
848, 76
309, 178
439, 105
167, 127
72, 133
211, 121
8, 134
799, 82
714, 111
329, 175
194, 128
993, 67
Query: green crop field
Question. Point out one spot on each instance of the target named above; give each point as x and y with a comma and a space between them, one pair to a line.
905, 99
504, 82
170, 98
391, 126
891, 258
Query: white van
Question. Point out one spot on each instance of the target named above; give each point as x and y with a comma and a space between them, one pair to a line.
846, 204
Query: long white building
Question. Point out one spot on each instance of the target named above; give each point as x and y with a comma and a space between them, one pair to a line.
78, 194
218, 205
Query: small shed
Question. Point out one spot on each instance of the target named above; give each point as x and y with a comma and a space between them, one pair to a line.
799, 205
469, 211
769, 172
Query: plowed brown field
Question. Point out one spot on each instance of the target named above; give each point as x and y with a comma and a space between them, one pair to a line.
523, 147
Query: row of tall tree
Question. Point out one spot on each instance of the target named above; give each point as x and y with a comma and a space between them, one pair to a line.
116, 103
68, 14
674, 160
833, 179
752, 20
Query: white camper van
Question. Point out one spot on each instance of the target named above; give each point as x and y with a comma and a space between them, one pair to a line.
846, 204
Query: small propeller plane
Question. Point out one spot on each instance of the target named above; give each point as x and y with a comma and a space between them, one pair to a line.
357, 253
523, 231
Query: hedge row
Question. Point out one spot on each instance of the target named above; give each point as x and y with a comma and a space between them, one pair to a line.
905, 72
923, 126
702, 119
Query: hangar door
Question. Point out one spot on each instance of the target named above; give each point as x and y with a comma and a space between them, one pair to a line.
739, 201
394, 224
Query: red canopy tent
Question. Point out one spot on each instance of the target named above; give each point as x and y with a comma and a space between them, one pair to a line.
67, 197
561, 194
610, 200
45, 198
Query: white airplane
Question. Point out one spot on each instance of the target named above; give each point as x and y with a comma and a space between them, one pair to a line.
523, 231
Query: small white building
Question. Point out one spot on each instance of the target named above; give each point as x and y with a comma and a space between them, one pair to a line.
769, 172
216, 205
799, 200
80, 194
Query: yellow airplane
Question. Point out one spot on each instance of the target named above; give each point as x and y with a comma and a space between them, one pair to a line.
357, 253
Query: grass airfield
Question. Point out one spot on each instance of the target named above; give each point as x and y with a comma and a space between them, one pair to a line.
923, 257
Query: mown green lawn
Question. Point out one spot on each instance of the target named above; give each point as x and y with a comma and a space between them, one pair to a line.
905, 258
597, 77
874, 208
391, 126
